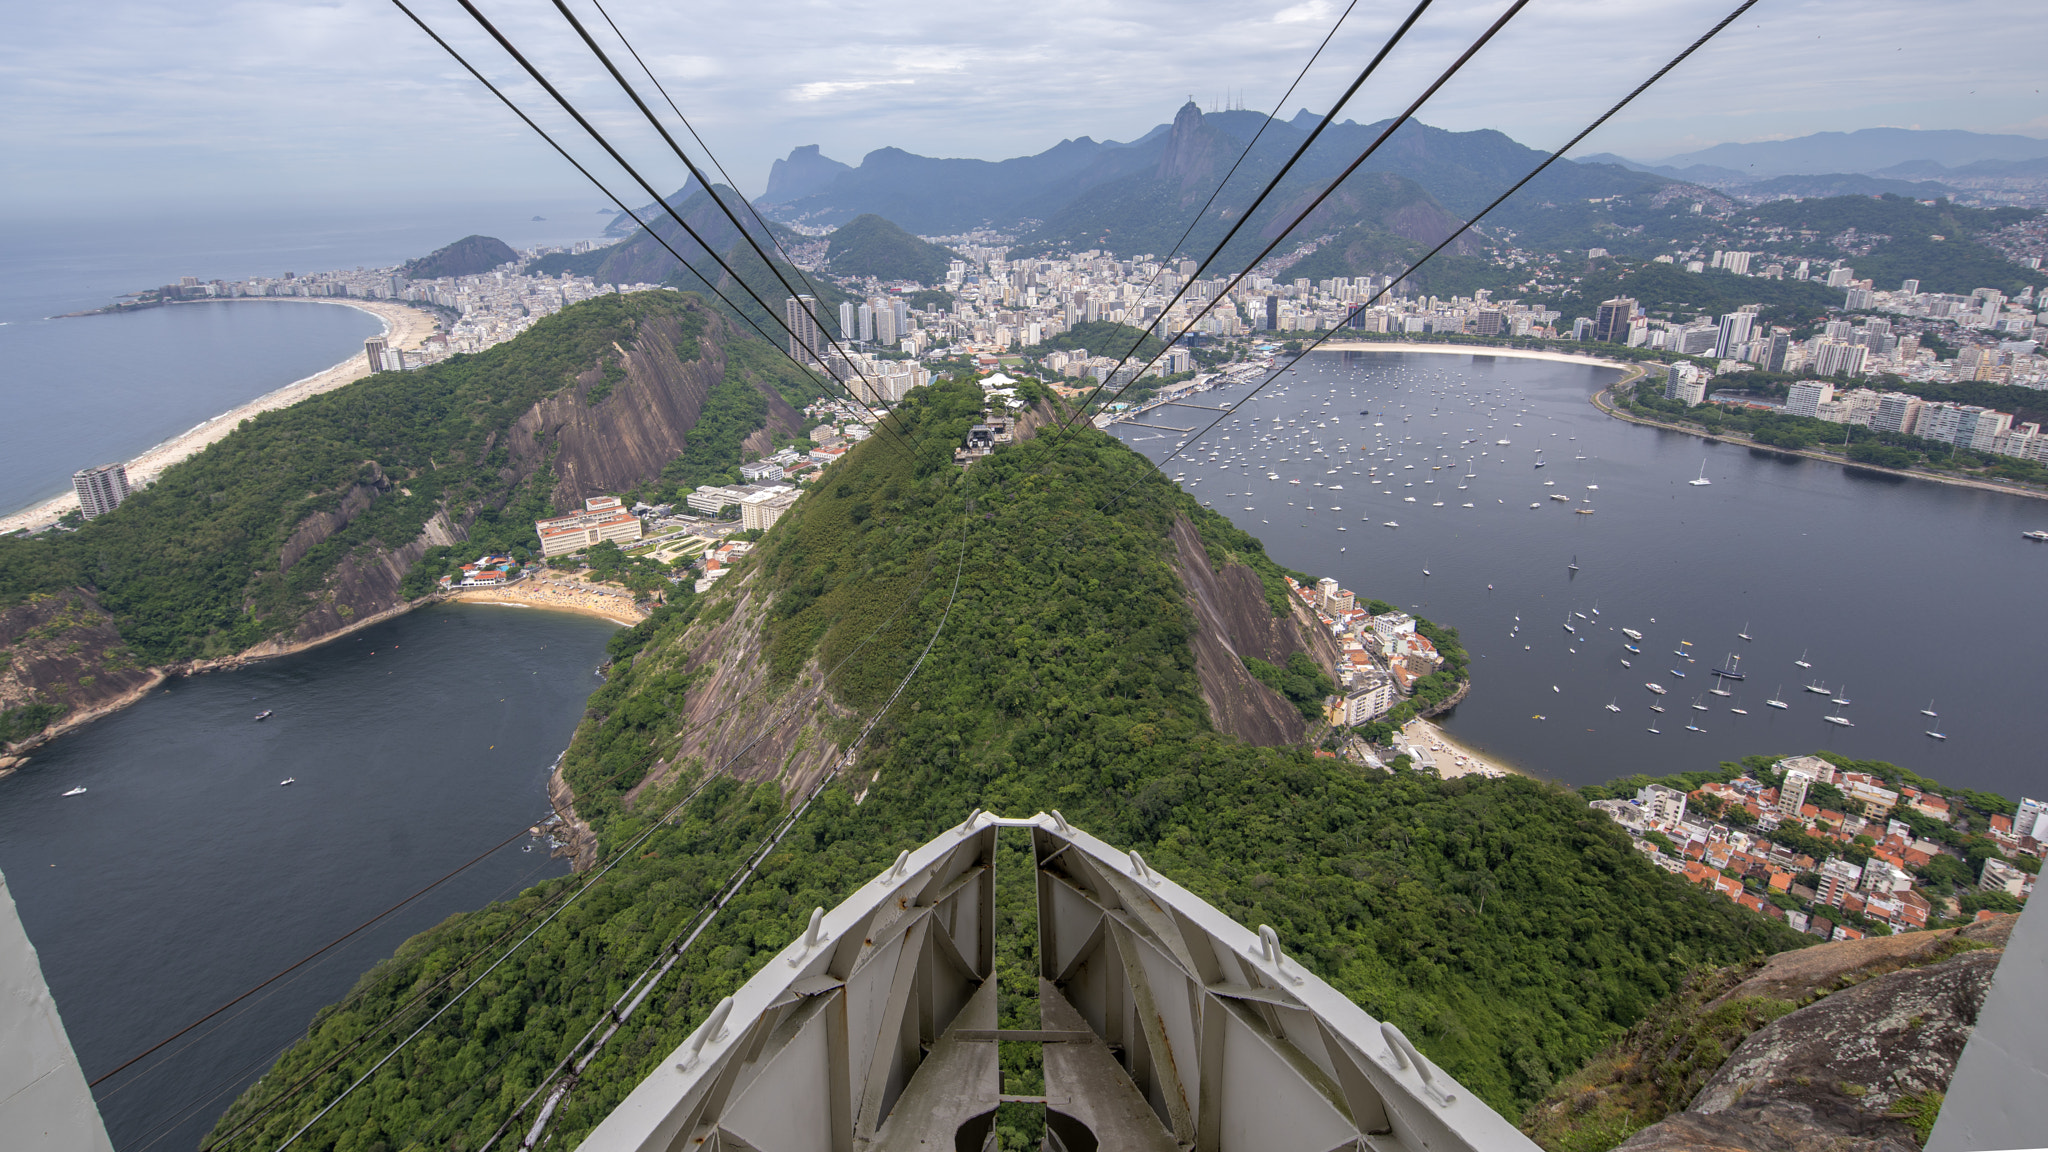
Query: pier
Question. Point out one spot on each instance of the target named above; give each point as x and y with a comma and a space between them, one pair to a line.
1205, 407
1162, 427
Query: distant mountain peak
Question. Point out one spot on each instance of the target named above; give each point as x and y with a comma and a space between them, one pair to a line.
1192, 149
806, 170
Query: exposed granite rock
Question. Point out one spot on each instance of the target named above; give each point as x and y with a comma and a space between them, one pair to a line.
64, 649
1234, 620
1799, 975
1829, 1075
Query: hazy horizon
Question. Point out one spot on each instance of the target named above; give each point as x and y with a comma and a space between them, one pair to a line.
322, 103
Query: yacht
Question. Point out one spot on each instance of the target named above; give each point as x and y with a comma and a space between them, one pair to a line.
287, 780
1633, 648
1613, 707
1582, 511
1745, 631
1631, 633
1929, 710
1573, 566
76, 791
1702, 482
1656, 707
1697, 706
1930, 732
264, 715
1841, 720
1775, 700
1677, 673
1817, 689
1655, 687
2036, 534
1843, 699
1802, 659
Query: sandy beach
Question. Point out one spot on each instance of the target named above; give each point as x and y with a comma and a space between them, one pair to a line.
404, 327
560, 593
1447, 751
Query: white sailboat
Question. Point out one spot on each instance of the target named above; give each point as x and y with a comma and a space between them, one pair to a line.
1776, 700
1702, 482
1929, 710
1802, 659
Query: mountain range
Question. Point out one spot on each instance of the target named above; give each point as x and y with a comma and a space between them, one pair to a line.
1898, 153
1141, 196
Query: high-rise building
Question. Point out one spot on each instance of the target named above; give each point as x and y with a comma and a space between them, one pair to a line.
1792, 793
100, 490
1734, 330
1582, 328
1897, 412
1841, 277
805, 339
1775, 350
849, 325
1611, 322
1910, 287
1806, 397
1834, 357
886, 331
1857, 300
1272, 313
901, 308
1736, 262
867, 324
373, 351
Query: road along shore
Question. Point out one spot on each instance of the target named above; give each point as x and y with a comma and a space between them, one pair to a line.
1604, 401
405, 327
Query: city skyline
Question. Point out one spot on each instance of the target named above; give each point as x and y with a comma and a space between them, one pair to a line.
318, 102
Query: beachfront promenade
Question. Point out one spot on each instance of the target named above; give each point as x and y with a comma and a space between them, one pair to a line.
405, 327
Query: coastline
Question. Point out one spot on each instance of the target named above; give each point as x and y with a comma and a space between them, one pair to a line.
1420, 731
1603, 401
557, 594
587, 600
1631, 369
404, 327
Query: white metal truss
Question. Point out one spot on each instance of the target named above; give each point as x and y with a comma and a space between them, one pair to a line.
1166, 1026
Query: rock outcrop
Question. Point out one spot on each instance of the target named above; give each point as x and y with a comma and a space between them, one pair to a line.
63, 651
1233, 620
1842, 1047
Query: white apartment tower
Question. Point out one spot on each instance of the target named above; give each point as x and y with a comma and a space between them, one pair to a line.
100, 490
805, 338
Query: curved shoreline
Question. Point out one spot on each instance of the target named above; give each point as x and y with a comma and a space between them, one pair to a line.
404, 327
1603, 400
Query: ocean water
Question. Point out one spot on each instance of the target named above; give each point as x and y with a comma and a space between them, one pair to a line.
1900, 592
82, 391
185, 874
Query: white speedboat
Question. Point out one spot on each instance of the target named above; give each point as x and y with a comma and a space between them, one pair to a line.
76, 791
287, 780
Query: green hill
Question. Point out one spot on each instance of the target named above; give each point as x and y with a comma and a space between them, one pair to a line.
872, 246
1508, 929
307, 517
468, 256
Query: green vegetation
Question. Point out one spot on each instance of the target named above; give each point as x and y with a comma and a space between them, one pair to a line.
468, 256
1101, 338
1654, 1070
1669, 291
1507, 929
1302, 681
872, 246
1904, 230
27, 720
208, 561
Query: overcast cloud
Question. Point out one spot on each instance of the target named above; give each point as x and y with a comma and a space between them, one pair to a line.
253, 101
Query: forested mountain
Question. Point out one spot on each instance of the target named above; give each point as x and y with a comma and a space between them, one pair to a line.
872, 246
306, 520
466, 257
1506, 927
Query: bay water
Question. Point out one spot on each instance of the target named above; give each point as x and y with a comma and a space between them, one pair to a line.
1903, 594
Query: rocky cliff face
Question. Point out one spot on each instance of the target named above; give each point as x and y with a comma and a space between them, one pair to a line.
1843, 1047
727, 723
63, 651
1233, 620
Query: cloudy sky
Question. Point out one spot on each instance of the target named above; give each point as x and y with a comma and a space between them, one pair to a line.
252, 101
